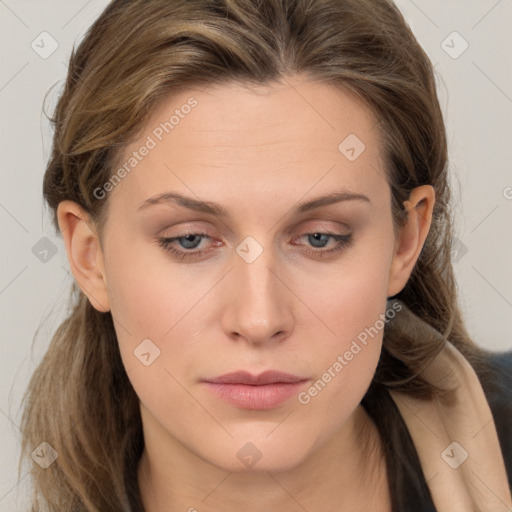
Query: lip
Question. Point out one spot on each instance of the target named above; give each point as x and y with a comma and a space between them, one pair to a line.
264, 391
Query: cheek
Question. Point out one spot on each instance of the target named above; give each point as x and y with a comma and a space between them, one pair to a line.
153, 300
349, 299
352, 305
345, 362
145, 297
154, 333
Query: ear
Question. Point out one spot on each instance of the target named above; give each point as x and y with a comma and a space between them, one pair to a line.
84, 252
411, 237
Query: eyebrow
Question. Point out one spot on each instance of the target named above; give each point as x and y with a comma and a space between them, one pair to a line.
220, 211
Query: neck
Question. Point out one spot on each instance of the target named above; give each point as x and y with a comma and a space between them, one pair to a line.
347, 473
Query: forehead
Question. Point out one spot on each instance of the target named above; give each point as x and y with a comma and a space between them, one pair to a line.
243, 137
235, 110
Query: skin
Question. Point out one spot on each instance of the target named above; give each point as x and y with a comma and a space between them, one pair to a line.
257, 152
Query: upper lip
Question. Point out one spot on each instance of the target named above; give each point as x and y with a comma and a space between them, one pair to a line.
243, 377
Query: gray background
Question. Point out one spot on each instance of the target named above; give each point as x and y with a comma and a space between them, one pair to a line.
476, 94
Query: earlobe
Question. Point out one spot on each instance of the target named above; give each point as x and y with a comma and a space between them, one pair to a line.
84, 253
411, 238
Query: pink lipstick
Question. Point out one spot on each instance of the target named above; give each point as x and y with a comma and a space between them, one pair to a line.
264, 391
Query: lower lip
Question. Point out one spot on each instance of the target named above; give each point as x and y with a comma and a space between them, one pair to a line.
265, 396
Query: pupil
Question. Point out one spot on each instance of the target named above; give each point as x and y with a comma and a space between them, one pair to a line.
317, 237
189, 241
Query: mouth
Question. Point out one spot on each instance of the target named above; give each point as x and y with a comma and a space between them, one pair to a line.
264, 391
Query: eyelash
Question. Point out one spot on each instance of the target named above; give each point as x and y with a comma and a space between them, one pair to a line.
343, 241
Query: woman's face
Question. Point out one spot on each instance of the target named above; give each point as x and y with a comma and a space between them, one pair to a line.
252, 289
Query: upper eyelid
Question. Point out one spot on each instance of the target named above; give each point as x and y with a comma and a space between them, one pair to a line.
294, 233
187, 230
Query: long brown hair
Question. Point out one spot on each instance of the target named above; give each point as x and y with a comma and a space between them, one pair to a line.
80, 399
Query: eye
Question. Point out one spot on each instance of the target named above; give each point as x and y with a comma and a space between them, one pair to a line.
188, 241
184, 246
320, 239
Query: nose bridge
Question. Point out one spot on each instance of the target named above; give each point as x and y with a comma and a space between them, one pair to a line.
261, 308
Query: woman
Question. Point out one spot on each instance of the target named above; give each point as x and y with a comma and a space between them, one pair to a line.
255, 205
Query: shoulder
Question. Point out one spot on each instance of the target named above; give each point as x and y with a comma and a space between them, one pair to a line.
499, 395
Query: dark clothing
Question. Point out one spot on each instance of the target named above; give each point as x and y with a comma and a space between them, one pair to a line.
500, 402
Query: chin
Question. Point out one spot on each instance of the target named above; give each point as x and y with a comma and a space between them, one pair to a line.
262, 454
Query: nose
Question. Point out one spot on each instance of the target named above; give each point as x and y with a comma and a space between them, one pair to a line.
258, 304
